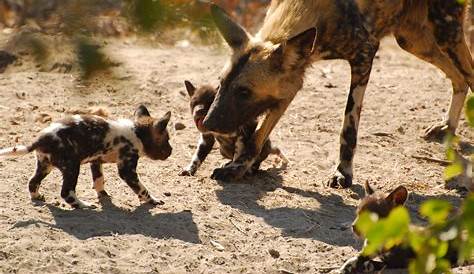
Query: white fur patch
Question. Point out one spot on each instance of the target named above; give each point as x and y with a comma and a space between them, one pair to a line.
53, 128
125, 128
14, 151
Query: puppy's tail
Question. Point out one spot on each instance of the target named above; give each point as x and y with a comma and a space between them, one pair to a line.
15, 151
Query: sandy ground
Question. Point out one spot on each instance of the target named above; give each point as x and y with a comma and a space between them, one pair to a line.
204, 226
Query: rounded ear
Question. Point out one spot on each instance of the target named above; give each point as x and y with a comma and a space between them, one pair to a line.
161, 124
368, 189
295, 51
141, 111
190, 88
398, 196
233, 33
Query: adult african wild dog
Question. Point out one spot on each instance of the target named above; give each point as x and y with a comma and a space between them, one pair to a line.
232, 146
93, 139
398, 256
266, 70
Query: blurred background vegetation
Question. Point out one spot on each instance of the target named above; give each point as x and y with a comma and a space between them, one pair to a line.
43, 27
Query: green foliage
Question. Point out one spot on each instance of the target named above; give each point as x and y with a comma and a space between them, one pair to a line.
470, 111
385, 233
442, 237
436, 211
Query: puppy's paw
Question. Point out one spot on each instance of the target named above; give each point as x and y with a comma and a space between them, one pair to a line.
83, 205
37, 197
154, 201
227, 173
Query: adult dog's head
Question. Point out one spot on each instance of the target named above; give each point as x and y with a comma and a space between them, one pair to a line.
259, 75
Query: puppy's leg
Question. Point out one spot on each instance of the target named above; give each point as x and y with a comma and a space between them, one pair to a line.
244, 159
206, 142
266, 150
127, 171
70, 172
43, 168
98, 180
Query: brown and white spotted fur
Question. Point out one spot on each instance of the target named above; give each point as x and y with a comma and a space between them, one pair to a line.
81, 139
232, 146
266, 71
396, 257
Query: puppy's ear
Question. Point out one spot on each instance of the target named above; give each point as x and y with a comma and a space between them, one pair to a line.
161, 124
398, 196
190, 88
141, 111
368, 189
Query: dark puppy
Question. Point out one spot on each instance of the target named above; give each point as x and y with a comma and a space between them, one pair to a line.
81, 139
396, 257
232, 146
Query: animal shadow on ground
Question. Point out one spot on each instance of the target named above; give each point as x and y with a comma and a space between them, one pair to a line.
113, 220
415, 200
329, 223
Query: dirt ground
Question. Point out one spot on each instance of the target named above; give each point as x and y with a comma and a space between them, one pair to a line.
280, 221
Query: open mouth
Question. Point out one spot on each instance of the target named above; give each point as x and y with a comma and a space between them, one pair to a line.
199, 122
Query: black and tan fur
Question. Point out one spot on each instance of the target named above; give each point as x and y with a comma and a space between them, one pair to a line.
266, 70
234, 146
397, 257
81, 139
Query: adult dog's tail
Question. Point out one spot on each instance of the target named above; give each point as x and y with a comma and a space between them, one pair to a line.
15, 151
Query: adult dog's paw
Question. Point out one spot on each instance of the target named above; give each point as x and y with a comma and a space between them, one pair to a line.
339, 180
437, 133
186, 172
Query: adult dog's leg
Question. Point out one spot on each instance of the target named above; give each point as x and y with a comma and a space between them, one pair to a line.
454, 61
361, 66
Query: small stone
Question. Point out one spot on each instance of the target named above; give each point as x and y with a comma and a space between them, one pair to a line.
167, 194
274, 253
179, 126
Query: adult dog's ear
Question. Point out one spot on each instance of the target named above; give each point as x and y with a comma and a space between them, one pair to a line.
141, 111
234, 34
161, 124
295, 52
190, 88
398, 196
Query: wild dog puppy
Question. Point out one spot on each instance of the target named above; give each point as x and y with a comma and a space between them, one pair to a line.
266, 70
81, 139
396, 257
232, 146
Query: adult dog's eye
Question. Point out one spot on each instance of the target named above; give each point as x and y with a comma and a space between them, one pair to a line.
243, 93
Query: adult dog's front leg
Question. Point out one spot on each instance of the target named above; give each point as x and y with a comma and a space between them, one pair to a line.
360, 73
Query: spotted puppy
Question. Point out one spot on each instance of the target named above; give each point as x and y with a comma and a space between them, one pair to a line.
398, 256
93, 139
234, 146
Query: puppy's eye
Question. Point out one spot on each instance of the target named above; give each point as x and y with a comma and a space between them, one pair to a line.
243, 93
